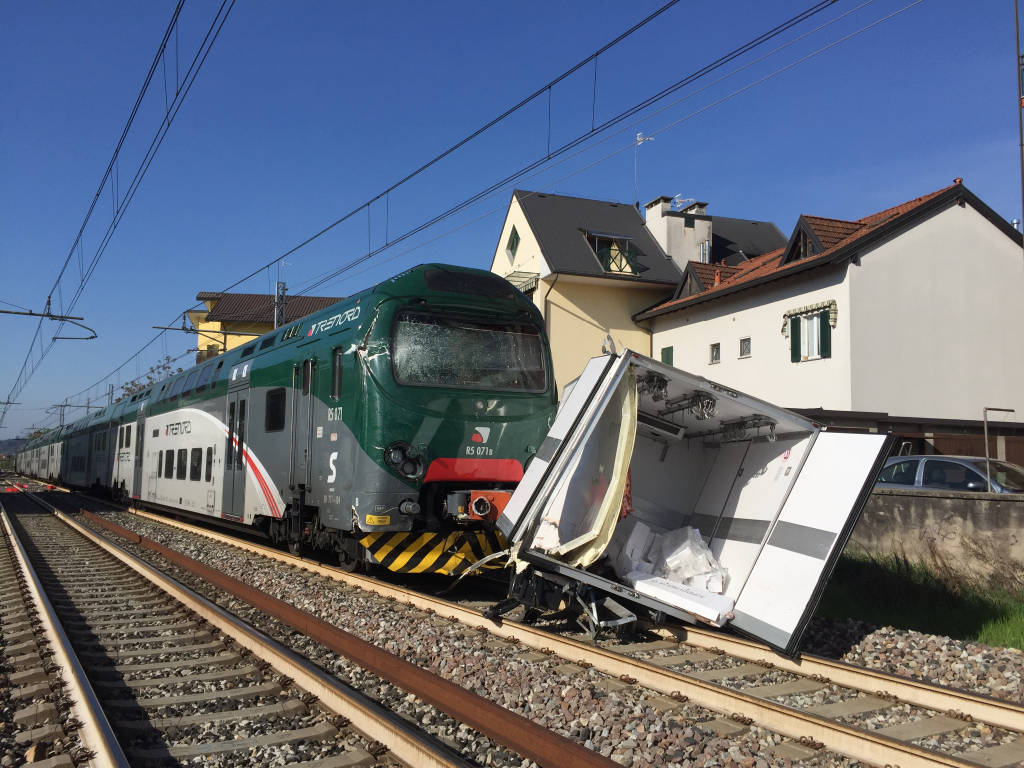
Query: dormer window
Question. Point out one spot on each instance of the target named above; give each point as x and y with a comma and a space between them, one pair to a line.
616, 253
512, 245
804, 247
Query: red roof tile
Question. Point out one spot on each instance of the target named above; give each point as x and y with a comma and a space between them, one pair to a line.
706, 272
259, 307
834, 234
831, 231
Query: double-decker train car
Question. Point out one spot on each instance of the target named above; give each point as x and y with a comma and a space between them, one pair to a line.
390, 427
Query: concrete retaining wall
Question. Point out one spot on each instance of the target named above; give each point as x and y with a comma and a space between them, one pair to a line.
978, 536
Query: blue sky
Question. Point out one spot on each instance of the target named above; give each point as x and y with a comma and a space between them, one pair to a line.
305, 110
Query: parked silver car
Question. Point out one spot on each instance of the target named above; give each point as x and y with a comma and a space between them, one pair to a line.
950, 473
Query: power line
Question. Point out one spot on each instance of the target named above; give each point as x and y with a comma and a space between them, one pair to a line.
323, 279
121, 203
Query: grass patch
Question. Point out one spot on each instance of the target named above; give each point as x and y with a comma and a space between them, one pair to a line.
896, 592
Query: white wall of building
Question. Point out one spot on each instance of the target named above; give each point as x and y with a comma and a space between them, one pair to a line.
937, 321
759, 313
528, 257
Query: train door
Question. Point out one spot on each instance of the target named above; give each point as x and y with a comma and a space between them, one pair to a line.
302, 418
140, 429
233, 498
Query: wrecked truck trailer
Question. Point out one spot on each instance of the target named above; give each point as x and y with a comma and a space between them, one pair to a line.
640, 458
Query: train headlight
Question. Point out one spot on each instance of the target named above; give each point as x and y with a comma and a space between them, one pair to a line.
402, 459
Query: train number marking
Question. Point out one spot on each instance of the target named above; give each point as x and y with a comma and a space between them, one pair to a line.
479, 450
330, 464
334, 414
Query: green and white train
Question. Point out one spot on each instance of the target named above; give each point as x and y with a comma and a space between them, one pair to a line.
391, 427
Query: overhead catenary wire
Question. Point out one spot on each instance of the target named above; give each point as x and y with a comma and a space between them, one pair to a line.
626, 147
582, 138
182, 89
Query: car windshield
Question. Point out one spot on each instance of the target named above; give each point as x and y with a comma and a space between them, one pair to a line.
1009, 476
442, 351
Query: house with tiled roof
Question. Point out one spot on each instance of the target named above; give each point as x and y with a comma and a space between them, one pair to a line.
589, 266
227, 320
909, 315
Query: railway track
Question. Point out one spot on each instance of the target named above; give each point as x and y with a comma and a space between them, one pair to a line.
864, 714
185, 682
814, 702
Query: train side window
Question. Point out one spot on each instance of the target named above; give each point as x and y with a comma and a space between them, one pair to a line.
229, 452
336, 360
204, 378
169, 464
240, 455
274, 418
127, 435
307, 374
247, 351
209, 464
120, 438
177, 387
195, 464
182, 463
160, 464
189, 382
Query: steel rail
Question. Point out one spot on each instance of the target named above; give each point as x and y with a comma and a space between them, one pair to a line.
96, 733
864, 745
507, 728
405, 742
992, 711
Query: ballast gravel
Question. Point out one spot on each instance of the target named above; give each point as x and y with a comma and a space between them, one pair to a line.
619, 724
982, 669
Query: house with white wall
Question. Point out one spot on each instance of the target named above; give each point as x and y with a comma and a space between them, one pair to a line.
911, 313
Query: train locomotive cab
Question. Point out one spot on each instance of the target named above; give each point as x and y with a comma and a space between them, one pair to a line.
452, 397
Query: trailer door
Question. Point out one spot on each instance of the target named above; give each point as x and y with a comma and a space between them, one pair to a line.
584, 403
790, 573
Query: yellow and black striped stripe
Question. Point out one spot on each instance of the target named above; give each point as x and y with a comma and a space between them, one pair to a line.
433, 552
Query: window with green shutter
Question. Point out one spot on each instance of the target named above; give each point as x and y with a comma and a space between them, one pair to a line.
810, 336
666, 355
824, 335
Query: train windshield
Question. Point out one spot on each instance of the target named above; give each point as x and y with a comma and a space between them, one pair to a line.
440, 351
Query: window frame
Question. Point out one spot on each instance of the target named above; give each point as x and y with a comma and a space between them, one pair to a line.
195, 464
181, 464
714, 353
269, 408
169, 464
810, 335
337, 360
512, 244
750, 348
